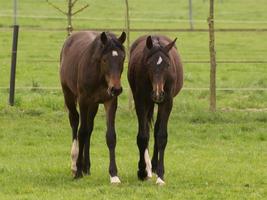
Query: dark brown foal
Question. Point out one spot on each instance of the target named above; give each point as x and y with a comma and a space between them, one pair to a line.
155, 74
91, 64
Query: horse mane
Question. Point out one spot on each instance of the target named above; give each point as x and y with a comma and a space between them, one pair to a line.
158, 39
97, 49
137, 42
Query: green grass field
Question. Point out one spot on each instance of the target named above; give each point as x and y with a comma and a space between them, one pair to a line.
220, 155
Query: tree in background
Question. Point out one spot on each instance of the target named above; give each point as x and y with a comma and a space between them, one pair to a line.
69, 13
212, 58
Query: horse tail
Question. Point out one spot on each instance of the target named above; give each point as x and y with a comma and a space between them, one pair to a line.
150, 115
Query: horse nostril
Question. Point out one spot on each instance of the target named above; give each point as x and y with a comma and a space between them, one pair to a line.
153, 95
162, 94
119, 90
111, 91
115, 91
158, 98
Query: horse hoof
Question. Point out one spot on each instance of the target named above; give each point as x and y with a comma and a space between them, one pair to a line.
78, 175
73, 172
160, 182
115, 180
86, 172
142, 174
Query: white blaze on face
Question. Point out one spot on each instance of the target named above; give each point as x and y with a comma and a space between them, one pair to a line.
157, 90
74, 155
114, 53
148, 164
159, 60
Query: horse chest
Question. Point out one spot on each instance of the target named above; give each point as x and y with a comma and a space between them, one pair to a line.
99, 95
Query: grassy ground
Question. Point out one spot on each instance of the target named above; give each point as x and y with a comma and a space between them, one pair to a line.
209, 156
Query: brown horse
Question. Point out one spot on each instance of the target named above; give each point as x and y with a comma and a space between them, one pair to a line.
155, 74
90, 69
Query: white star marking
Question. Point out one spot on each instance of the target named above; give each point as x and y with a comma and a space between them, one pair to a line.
159, 61
114, 53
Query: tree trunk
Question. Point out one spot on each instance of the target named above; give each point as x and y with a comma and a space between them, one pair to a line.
212, 59
69, 15
127, 21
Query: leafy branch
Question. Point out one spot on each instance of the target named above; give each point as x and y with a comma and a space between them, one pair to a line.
69, 13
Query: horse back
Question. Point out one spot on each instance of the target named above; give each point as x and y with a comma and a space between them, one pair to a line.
177, 68
70, 56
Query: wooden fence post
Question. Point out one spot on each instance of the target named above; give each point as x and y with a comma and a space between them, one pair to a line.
127, 23
212, 58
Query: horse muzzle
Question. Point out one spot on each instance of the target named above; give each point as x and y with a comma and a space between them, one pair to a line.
114, 91
158, 97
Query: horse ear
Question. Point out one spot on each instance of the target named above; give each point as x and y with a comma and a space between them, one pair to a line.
122, 38
104, 38
149, 42
169, 46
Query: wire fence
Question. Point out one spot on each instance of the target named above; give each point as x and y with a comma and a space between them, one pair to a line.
184, 88
137, 19
146, 30
135, 30
151, 30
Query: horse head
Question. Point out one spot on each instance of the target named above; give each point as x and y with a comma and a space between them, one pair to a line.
158, 62
112, 61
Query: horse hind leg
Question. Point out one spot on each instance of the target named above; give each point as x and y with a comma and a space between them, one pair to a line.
87, 114
155, 157
70, 102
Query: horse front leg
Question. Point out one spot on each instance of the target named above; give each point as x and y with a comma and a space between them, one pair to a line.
87, 114
82, 136
164, 111
110, 108
92, 110
144, 164
74, 121
70, 102
155, 157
